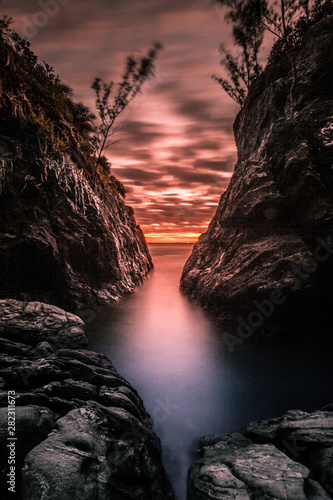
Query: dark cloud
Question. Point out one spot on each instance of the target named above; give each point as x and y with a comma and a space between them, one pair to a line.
192, 176
208, 145
181, 153
196, 109
216, 125
215, 165
136, 174
141, 133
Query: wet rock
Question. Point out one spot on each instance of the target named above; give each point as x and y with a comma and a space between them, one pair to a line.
287, 458
82, 430
14, 348
94, 452
32, 425
34, 322
306, 437
268, 248
43, 350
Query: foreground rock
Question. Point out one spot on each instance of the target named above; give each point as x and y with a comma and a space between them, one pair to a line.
62, 241
288, 458
271, 237
35, 322
82, 430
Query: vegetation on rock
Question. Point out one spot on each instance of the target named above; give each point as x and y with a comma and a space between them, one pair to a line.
288, 20
33, 97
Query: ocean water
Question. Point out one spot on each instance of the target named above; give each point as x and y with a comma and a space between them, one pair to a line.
192, 382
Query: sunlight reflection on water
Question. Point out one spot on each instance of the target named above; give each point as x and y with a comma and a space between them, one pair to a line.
192, 386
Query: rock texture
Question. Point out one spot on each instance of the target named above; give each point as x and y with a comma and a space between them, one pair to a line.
273, 230
35, 322
288, 458
82, 430
61, 241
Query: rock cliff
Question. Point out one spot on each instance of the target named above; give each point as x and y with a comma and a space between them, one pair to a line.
289, 458
62, 241
269, 244
81, 430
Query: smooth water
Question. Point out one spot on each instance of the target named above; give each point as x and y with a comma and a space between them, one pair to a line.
191, 382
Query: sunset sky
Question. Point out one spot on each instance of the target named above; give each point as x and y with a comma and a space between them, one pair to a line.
176, 152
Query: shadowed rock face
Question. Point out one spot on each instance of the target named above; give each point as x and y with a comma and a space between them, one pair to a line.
286, 458
62, 242
273, 230
82, 430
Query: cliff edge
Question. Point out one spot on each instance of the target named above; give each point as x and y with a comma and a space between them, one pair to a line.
62, 241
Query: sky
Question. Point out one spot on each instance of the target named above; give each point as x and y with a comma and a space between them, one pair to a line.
175, 152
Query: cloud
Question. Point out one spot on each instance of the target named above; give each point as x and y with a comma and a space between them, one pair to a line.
139, 133
215, 165
176, 148
195, 109
137, 174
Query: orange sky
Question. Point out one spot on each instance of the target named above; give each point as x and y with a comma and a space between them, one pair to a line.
176, 150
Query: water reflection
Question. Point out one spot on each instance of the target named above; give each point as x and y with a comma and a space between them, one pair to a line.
191, 384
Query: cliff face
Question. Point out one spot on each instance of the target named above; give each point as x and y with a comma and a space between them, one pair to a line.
271, 237
61, 241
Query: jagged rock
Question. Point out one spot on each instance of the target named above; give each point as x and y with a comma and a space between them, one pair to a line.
288, 458
271, 237
82, 430
34, 322
94, 452
32, 425
62, 241
306, 437
8, 347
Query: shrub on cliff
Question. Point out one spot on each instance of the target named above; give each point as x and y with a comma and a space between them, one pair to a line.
135, 75
32, 94
295, 38
288, 20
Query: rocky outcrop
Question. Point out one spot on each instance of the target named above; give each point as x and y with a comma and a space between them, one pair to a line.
62, 241
286, 458
82, 430
34, 322
271, 237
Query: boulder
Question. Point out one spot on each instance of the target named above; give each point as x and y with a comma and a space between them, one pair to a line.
34, 322
94, 452
287, 458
